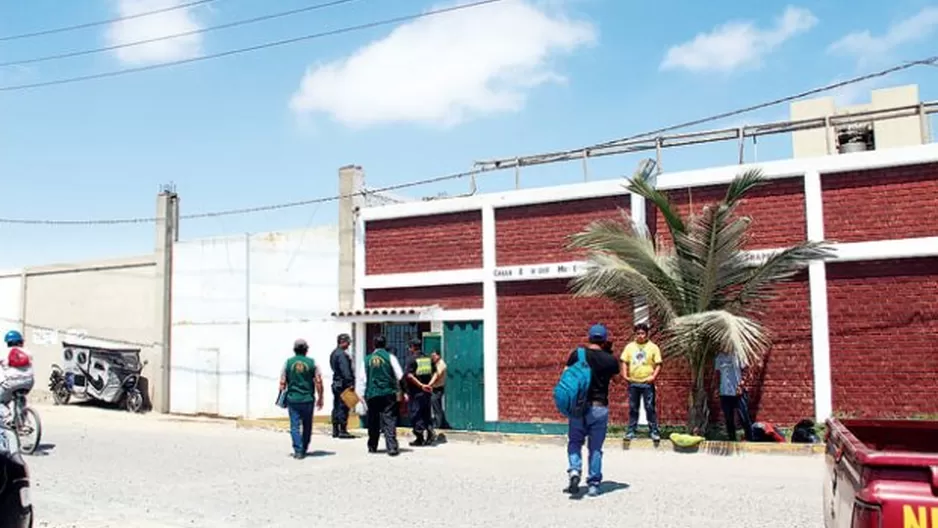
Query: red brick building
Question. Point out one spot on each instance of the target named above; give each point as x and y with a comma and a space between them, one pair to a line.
855, 335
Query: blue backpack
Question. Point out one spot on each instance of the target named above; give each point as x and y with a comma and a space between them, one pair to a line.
570, 393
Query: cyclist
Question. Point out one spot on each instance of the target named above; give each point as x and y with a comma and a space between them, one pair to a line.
16, 373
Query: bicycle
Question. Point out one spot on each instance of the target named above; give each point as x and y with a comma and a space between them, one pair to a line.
22, 415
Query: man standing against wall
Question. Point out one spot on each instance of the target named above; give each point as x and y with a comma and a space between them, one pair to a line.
641, 364
342, 378
383, 377
438, 384
733, 395
418, 373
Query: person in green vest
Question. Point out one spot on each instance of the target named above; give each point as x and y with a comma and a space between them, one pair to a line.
383, 376
300, 376
418, 374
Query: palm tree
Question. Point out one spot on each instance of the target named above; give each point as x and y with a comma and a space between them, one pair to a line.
704, 291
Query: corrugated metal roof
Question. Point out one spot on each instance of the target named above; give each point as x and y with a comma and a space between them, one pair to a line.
390, 311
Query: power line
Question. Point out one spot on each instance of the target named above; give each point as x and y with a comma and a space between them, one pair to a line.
245, 210
454, 176
40, 33
228, 25
238, 51
568, 155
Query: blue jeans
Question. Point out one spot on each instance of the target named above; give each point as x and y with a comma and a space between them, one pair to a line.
644, 393
591, 428
301, 414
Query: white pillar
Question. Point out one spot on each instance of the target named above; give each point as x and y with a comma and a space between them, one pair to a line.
817, 287
638, 210
490, 308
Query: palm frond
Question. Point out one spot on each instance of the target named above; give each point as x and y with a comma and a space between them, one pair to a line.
716, 331
713, 240
609, 276
630, 243
644, 188
756, 282
742, 184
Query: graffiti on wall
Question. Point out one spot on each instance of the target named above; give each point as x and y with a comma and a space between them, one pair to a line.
52, 336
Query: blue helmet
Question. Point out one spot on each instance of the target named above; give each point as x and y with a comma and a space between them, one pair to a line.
13, 336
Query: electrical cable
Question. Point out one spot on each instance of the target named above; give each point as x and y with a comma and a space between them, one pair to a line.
415, 183
565, 155
43, 32
245, 210
238, 51
227, 25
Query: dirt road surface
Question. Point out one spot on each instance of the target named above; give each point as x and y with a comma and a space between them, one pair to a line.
104, 468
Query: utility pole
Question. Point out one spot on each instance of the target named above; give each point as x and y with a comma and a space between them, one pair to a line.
167, 234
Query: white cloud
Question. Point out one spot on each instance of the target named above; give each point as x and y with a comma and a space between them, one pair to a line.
445, 69
155, 26
737, 44
865, 46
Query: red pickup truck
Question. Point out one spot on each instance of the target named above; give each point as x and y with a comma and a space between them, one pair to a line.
881, 473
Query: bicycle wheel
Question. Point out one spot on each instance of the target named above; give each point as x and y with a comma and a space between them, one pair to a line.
28, 429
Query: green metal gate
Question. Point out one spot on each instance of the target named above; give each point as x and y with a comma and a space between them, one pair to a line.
465, 391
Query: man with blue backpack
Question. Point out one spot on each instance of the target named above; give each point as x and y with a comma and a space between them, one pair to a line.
582, 395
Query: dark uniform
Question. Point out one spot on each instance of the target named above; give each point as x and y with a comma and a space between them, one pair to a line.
381, 389
342, 378
421, 418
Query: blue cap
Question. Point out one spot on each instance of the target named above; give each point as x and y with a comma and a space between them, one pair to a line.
598, 332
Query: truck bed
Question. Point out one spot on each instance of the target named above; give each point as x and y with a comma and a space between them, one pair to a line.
883, 473
900, 436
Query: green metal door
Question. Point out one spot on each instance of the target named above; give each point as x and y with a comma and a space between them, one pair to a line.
465, 398
432, 341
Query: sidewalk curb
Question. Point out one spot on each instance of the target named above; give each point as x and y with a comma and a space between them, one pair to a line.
717, 448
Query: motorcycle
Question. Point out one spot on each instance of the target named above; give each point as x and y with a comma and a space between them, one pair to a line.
98, 373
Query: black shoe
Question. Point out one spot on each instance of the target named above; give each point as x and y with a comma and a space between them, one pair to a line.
574, 486
394, 453
372, 449
418, 443
430, 439
345, 435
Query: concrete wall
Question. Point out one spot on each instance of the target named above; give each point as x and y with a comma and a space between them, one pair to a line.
238, 303
107, 303
888, 133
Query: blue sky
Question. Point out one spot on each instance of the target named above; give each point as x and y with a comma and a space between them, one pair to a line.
513, 78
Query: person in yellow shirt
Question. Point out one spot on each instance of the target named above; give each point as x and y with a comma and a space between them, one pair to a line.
641, 364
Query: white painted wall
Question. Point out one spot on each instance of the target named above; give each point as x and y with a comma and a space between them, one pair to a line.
290, 282
11, 290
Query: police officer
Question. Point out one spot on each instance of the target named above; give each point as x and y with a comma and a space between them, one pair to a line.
342, 378
418, 373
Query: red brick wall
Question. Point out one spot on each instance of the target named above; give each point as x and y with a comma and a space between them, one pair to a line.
452, 297
534, 234
539, 324
424, 243
884, 337
784, 384
880, 204
777, 211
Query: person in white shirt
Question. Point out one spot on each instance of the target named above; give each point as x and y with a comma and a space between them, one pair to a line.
16, 372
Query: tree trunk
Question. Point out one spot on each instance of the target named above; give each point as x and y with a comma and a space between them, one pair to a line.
698, 413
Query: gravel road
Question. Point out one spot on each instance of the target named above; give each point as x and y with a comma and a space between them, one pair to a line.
111, 469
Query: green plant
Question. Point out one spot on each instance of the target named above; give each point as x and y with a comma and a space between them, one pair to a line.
703, 291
